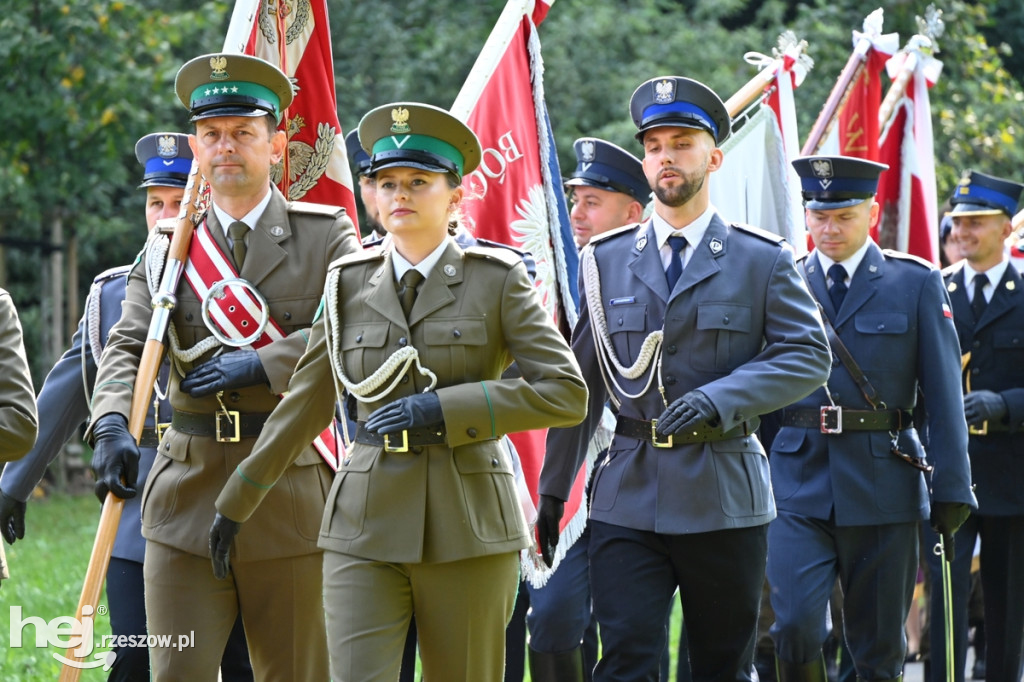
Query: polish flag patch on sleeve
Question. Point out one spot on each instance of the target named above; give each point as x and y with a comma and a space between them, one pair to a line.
946, 312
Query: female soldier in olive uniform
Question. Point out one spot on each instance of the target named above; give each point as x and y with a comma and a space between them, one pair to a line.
423, 516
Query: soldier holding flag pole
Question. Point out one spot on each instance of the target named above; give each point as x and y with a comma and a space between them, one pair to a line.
253, 277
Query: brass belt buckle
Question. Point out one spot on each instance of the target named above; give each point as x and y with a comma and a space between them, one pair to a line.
234, 419
978, 430
667, 443
160, 429
404, 447
831, 419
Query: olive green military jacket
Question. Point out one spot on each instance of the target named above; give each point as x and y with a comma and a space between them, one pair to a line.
18, 420
476, 313
289, 251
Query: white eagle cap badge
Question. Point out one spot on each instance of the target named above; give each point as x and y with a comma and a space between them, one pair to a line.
587, 150
167, 146
822, 169
665, 91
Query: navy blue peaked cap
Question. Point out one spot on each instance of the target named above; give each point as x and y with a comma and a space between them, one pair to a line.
610, 167
980, 194
681, 102
828, 182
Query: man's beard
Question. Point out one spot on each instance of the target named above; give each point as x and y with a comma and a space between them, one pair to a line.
683, 191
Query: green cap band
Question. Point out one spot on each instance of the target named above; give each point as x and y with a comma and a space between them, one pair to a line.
423, 143
229, 89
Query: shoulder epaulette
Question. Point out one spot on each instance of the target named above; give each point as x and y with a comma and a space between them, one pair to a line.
498, 245
890, 253
363, 256
112, 273
614, 233
951, 270
759, 232
316, 209
503, 255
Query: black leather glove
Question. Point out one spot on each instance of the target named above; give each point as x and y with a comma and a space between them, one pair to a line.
12, 518
549, 514
685, 413
222, 534
980, 406
236, 369
946, 518
115, 456
410, 412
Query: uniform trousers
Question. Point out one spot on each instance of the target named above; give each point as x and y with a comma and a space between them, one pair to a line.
1002, 587
876, 567
634, 575
280, 600
462, 608
125, 597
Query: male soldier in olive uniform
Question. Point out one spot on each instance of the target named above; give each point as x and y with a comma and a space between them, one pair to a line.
221, 399
64, 398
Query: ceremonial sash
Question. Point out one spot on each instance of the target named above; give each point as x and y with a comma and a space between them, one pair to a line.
238, 313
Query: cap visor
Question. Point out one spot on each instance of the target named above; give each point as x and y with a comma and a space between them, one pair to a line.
974, 209
404, 163
818, 205
229, 111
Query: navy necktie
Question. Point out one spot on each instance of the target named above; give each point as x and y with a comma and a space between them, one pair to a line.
675, 263
837, 273
978, 302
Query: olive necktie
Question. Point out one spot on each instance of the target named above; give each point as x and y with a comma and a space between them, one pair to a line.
978, 302
407, 292
837, 273
238, 230
675, 264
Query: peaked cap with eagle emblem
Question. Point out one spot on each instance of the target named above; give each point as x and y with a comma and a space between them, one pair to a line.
609, 167
232, 85
680, 102
166, 158
828, 182
420, 136
981, 194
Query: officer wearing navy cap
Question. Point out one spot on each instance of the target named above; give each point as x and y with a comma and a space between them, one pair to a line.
608, 189
360, 161
691, 327
282, 248
987, 295
852, 480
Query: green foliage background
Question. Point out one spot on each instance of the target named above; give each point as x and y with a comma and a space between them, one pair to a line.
83, 81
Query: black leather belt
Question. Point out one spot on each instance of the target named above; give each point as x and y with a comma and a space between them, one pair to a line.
836, 419
226, 426
402, 440
641, 429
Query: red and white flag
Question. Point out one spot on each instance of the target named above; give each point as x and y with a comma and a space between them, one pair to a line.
757, 184
296, 38
906, 191
516, 197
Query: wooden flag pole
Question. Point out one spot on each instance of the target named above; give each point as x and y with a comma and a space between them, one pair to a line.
847, 77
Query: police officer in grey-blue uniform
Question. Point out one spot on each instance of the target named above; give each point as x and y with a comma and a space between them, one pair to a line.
608, 189
691, 327
987, 294
849, 472
64, 399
